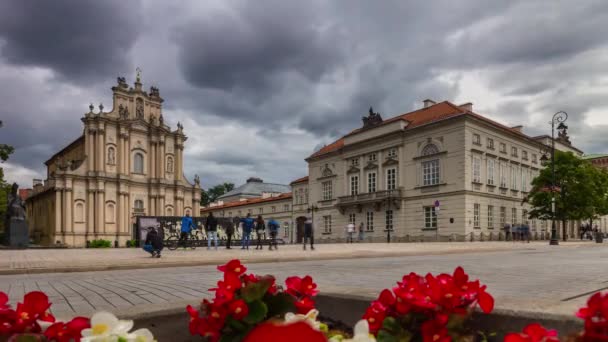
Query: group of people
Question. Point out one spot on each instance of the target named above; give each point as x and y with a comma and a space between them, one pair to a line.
154, 241
351, 231
517, 232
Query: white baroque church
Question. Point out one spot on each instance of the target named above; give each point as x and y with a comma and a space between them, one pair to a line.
127, 162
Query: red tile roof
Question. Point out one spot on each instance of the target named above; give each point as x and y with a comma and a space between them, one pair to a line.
435, 113
300, 180
234, 204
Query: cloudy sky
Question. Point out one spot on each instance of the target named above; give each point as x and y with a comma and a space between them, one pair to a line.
259, 84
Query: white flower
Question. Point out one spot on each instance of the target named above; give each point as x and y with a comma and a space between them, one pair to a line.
310, 318
361, 334
105, 327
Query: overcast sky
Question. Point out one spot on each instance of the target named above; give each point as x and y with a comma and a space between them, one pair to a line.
259, 84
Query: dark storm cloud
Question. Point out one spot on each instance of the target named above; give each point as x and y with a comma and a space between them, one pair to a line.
79, 40
252, 48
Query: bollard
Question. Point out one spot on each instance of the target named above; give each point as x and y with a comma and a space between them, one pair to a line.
88, 244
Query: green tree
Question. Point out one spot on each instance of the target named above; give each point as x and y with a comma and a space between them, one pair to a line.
5, 152
211, 194
580, 191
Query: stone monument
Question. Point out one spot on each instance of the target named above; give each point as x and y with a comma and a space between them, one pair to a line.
16, 232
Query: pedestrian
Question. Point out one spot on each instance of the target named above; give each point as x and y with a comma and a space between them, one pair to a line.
526, 233
260, 228
229, 229
514, 232
350, 231
309, 233
153, 243
361, 231
211, 230
187, 226
248, 223
507, 229
273, 227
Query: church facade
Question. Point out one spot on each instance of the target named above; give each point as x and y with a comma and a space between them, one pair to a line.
127, 162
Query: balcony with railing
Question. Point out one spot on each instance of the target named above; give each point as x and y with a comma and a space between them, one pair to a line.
369, 197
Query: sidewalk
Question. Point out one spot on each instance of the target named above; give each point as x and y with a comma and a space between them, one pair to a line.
82, 260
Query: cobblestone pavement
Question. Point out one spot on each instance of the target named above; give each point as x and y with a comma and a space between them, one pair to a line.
69, 260
537, 278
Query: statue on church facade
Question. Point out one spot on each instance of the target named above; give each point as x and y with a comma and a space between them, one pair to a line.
373, 119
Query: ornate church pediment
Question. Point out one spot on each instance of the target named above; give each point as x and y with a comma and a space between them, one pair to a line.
326, 172
353, 169
371, 165
390, 161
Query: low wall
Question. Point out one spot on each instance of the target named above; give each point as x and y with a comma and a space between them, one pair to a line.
349, 309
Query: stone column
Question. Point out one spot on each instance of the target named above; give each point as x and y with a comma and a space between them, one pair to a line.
90, 222
68, 226
127, 217
119, 213
58, 211
179, 148
118, 156
152, 160
91, 149
101, 217
161, 205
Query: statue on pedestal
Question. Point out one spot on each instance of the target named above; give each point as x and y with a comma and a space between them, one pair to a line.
16, 232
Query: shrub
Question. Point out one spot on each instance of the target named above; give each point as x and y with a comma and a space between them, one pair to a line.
131, 243
100, 244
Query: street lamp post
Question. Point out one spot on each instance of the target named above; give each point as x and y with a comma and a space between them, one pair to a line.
312, 209
558, 118
388, 229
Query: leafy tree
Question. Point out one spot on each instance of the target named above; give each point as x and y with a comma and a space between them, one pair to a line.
211, 195
5, 152
580, 191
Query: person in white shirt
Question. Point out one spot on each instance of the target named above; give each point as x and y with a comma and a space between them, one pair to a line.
350, 231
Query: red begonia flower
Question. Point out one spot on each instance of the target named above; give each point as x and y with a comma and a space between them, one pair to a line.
375, 315
434, 331
386, 298
233, 266
238, 309
295, 332
67, 332
533, 333
304, 305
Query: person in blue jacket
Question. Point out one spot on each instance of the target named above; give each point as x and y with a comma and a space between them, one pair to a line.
187, 226
248, 223
273, 226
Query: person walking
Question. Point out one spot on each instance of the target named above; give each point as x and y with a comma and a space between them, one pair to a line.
273, 227
211, 230
350, 231
361, 231
260, 228
248, 223
153, 243
229, 229
309, 233
187, 226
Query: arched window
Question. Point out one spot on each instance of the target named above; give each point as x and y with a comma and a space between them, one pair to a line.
79, 212
110, 215
429, 150
139, 204
138, 163
169, 211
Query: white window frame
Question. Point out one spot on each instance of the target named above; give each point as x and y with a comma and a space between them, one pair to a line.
514, 171
388, 218
327, 224
430, 217
490, 143
352, 218
476, 139
354, 184
286, 207
476, 169
491, 166
391, 178
372, 157
476, 215
327, 190
503, 175
524, 185
503, 216
392, 153
430, 172
490, 217
524, 216
372, 180
513, 216
370, 221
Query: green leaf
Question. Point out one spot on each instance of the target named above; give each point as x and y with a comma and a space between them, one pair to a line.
385, 336
236, 325
390, 324
280, 304
257, 312
255, 291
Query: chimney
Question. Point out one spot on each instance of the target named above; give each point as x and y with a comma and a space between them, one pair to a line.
517, 128
37, 182
428, 103
467, 106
